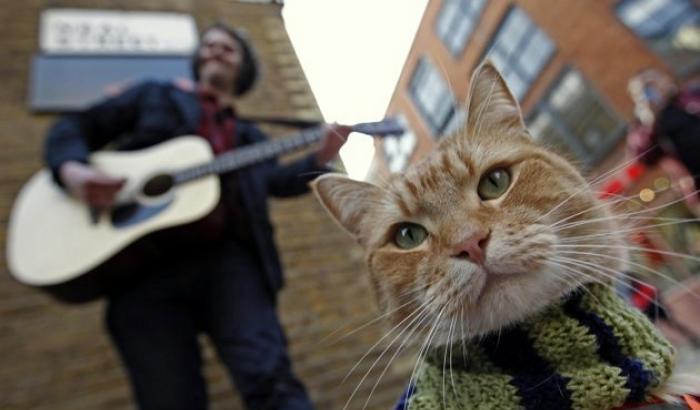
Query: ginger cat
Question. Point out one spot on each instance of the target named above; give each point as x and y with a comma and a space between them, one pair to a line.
496, 250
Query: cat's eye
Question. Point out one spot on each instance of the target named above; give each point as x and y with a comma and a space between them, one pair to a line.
493, 184
409, 235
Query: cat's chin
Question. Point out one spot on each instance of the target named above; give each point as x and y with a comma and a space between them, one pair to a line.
508, 298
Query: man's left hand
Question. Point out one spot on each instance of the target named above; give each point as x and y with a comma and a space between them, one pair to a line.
332, 141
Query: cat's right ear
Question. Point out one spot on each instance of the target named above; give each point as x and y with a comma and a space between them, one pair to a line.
346, 200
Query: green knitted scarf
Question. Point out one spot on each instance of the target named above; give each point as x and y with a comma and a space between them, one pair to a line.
591, 352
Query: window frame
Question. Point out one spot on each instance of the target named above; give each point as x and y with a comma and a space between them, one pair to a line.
435, 125
466, 11
658, 43
587, 157
532, 30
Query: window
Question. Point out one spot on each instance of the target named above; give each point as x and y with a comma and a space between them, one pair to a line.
432, 96
456, 22
520, 50
670, 27
573, 118
398, 149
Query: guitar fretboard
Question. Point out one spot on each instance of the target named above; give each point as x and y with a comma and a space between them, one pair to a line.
248, 155
251, 154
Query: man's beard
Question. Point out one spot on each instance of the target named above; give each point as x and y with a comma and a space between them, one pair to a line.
219, 80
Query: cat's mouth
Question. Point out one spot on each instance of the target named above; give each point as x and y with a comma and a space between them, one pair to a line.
492, 281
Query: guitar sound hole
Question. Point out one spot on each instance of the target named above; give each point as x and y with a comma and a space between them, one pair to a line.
158, 185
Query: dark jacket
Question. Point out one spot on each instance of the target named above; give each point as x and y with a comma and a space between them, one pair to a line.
153, 112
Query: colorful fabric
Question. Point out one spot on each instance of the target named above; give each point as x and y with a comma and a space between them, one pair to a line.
591, 352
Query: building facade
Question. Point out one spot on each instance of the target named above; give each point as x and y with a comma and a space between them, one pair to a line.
59, 356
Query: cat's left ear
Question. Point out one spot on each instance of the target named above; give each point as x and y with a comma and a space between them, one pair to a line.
347, 201
490, 104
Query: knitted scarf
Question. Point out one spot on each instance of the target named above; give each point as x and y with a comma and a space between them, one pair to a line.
591, 352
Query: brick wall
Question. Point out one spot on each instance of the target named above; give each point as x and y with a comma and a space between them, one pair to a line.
59, 357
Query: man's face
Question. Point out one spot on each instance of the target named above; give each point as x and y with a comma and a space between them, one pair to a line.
220, 57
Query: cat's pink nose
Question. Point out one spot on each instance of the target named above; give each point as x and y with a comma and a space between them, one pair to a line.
473, 248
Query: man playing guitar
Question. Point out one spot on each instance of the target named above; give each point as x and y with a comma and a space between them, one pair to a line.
225, 288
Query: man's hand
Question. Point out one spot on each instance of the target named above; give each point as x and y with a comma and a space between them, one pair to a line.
332, 141
90, 185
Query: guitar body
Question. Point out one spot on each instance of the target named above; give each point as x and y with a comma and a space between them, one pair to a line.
55, 243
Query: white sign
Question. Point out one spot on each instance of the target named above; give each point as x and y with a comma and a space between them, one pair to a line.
81, 31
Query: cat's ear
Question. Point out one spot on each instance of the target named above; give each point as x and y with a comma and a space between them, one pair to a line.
490, 103
346, 200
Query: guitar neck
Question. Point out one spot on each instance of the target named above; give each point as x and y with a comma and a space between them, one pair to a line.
251, 154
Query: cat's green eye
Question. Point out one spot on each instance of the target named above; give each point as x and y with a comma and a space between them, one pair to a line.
409, 235
493, 184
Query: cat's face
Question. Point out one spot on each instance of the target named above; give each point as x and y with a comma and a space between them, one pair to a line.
475, 236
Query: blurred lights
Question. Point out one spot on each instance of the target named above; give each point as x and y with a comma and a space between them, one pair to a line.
647, 195
662, 184
686, 183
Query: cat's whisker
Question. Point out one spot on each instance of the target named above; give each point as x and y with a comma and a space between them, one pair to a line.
418, 316
650, 229
629, 248
444, 369
596, 206
604, 271
559, 223
452, 376
421, 308
611, 274
617, 277
587, 188
639, 265
600, 178
424, 348
463, 339
449, 346
612, 217
400, 349
612, 203
628, 216
421, 352
574, 276
563, 202
632, 228
365, 325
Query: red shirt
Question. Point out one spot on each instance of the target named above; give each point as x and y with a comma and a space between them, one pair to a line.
217, 125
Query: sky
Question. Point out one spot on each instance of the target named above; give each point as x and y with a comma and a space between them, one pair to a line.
352, 52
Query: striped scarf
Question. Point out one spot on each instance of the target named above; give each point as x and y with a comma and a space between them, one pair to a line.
591, 352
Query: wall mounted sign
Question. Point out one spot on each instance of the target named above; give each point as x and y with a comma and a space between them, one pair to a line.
88, 54
76, 31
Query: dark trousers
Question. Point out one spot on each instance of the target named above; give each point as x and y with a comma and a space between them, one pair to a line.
220, 291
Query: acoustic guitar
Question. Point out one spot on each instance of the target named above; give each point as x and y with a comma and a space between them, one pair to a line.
56, 243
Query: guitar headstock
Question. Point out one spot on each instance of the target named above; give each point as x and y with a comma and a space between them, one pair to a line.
387, 127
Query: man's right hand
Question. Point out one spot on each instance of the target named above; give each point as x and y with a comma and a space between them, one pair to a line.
93, 187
